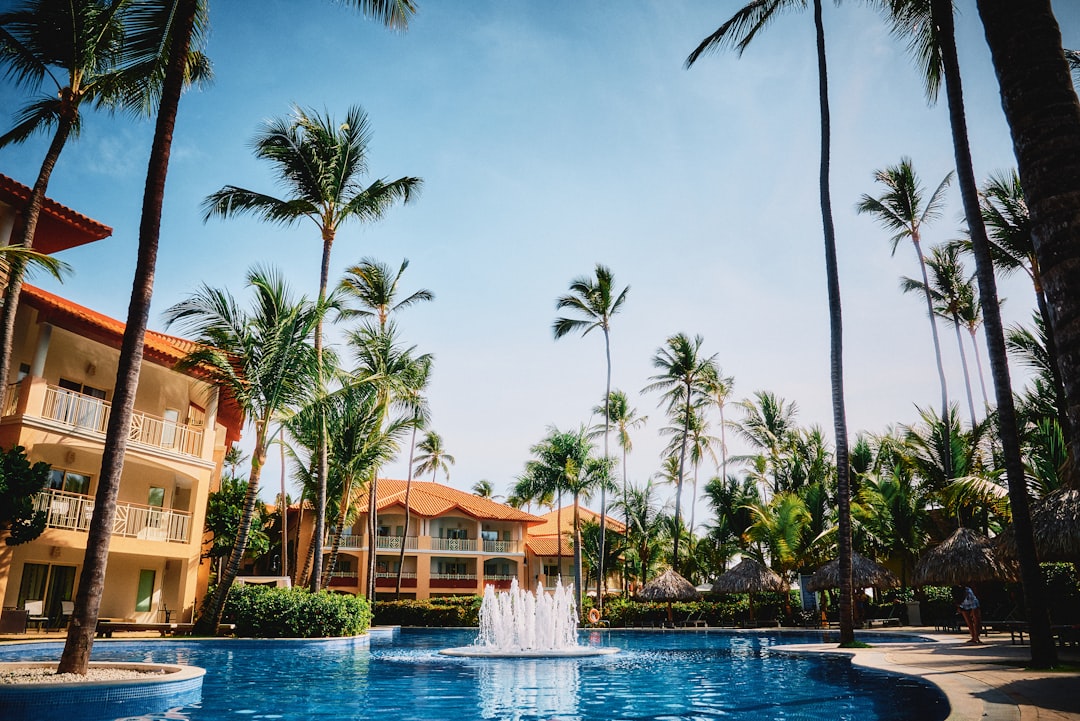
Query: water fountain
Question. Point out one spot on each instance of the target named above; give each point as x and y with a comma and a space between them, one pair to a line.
520, 624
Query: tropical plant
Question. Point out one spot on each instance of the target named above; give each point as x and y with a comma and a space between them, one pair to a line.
321, 162
719, 388
644, 530
103, 53
934, 39
483, 488
768, 425
904, 209
433, 456
595, 302
225, 513
375, 288
20, 482
263, 359
184, 22
682, 377
738, 32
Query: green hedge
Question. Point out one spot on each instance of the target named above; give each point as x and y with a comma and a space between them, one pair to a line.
266, 612
438, 612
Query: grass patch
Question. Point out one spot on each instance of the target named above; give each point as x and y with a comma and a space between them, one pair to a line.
856, 644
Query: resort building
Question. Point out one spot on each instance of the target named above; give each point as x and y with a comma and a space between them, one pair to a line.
457, 543
56, 405
547, 561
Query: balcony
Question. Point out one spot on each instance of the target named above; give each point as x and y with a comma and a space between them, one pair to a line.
73, 511
343, 578
453, 580
91, 415
502, 546
385, 579
501, 582
393, 543
454, 544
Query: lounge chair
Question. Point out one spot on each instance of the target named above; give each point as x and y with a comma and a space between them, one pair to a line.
890, 619
35, 613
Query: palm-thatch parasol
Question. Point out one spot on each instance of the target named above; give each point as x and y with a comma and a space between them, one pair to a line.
749, 577
1055, 523
669, 586
864, 573
962, 558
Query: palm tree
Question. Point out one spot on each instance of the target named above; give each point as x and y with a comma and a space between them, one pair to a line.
683, 373
263, 359
433, 457
375, 286
103, 53
483, 488
185, 20
595, 301
415, 388
904, 210
738, 32
719, 388
321, 162
935, 44
618, 413
950, 288
1008, 229
767, 425
700, 443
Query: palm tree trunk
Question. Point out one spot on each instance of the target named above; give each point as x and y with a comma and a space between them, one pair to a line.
27, 229
339, 526
947, 458
964, 365
836, 348
284, 508
408, 515
579, 588
322, 468
679, 483
309, 558
1043, 652
80, 637
373, 528
978, 366
603, 487
558, 529
1051, 351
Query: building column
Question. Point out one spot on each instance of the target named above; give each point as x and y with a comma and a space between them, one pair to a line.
41, 350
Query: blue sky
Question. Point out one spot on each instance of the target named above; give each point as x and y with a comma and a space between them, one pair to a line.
552, 136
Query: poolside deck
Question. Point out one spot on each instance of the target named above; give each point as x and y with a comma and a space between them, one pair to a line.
987, 682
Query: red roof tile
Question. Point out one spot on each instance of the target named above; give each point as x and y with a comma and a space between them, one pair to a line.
59, 227
550, 527
548, 546
434, 499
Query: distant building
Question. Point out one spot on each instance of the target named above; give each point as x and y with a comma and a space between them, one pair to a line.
544, 552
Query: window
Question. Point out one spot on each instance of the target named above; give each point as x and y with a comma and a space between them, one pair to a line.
384, 530
451, 568
459, 533
168, 427
24, 370
83, 407
156, 497
551, 571
145, 596
344, 565
61, 480
489, 535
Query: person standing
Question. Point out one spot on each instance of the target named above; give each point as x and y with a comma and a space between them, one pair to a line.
968, 605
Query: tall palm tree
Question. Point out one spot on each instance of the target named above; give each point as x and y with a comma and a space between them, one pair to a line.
699, 444
644, 527
768, 424
433, 456
262, 358
415, 388
970, 311
719, 388
594, 301
683, 372
618, 413
738, 32
935, 42
322, 164
950, 288
904, 209
108, 54
375, 287
185, 20
1008, 229
483, 488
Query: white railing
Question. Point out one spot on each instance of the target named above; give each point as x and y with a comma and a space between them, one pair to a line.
453, 544
92, 414
394, 542
453, 577
498, 577
73, 511
11, 398
502, 546
344, 574
345, 541
393, 574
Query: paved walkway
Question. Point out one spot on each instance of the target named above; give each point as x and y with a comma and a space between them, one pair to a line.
987, 682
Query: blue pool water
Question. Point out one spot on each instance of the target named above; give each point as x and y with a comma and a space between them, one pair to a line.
657, 676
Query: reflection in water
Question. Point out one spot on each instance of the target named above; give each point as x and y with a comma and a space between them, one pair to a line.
526, 689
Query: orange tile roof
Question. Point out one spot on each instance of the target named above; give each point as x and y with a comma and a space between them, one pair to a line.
549, 547
160, 348
550, 527
59, 227
433, 499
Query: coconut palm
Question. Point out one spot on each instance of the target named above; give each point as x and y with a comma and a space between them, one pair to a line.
415, 388
644, 529
682, 377
929, 24
184, 20
322, 164
594, 302
375, 287
738, 32
699, 443
433, 457
767, 426
618, 413
262, 358
108, 54
719, 388
903, 208
950, 288
483, 488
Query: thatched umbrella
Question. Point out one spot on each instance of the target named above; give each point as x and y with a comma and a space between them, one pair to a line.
864, 573
669, 586
964, 557
749, 577
1055, 524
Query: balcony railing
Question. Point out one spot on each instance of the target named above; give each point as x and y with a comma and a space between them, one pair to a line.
87, 413
346, 541
393, 543
11, 398
502, 546
453, 544
73, 511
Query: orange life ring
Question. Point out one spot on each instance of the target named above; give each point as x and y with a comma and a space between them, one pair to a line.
594, 616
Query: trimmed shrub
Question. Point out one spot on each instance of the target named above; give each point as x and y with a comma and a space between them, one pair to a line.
266, 612
437, 612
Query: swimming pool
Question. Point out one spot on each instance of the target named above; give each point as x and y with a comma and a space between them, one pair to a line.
657, 676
